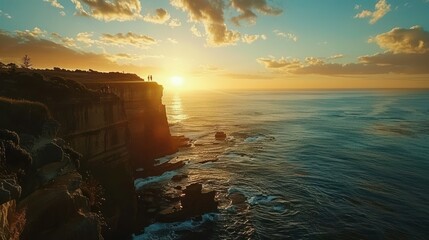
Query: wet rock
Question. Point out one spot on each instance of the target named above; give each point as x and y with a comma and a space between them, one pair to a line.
179, 177
237, 198
220, 136
209, 160
181, 141
159, 169
194, 203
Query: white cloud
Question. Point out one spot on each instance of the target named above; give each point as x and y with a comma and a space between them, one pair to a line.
55, 3
290, 36
251, 38
172, 40
196, 32
381, 9
133, 39
6, 15
174, 23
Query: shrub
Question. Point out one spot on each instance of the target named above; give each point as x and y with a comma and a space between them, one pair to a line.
23, 116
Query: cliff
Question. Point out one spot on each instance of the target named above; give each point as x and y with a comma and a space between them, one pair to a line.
147, 119
42, 196
116, 126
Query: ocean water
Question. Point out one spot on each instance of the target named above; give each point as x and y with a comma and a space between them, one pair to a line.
306, 164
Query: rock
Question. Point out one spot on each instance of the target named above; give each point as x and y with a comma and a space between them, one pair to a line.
208, 160
192, 189
9, 190
82, 227
9, 136
220, 136
46, 209
48, 153
237, 198
27, 141
50, 128
159, 169
179, 177
194, 204
181, 141
15, 156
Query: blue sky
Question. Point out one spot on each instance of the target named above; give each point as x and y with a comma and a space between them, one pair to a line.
295, 40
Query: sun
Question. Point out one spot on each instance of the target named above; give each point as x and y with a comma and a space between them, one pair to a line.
176, 81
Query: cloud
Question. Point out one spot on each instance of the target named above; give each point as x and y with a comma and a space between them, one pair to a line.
133, 39
196, 32
47, 54
6, 15
281, 64
247, 8
35, 33
174, 23
172, 40
160, 17
400, 40
55, 3
113, 10
336, 56
251, 38
381, 9
67, 41
85, 37
407, 52
211, 14
290, 36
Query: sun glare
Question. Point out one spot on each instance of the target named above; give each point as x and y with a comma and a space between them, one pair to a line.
176, 81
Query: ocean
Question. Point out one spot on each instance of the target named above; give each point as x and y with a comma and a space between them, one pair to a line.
308, 164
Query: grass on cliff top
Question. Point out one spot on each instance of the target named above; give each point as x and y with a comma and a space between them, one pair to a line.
89, 76
23, 116
37, 87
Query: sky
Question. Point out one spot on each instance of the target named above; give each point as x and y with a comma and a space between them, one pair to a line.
227, 44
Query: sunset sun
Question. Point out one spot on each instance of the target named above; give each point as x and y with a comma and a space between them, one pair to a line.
176, 81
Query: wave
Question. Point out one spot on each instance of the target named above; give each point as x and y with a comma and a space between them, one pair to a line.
172, 230
139, 183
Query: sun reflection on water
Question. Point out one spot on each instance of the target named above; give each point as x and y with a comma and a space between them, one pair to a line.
176, 108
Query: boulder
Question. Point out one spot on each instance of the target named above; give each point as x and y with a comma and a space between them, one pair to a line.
194, 203
179, 177
48, 153
220, 136
9, 135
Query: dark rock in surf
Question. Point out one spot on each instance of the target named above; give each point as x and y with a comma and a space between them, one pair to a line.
220, 136
194, 203
179, 177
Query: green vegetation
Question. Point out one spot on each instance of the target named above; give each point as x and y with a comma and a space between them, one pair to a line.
36, 87
23, 116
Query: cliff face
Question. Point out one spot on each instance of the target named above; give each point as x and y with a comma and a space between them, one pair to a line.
99, 131
116, 126
147, 120
41, 192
